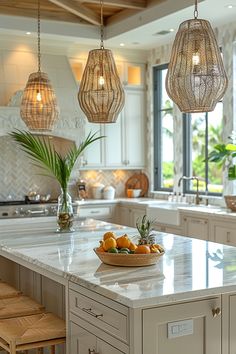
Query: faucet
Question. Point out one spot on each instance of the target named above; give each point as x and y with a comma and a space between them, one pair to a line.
197, 198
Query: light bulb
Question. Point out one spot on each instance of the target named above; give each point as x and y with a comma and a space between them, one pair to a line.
196, 58
39, 97
101, 80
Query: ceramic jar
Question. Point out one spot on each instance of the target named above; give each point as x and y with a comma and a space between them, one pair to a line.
109, 192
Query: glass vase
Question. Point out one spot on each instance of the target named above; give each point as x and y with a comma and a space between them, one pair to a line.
65, 215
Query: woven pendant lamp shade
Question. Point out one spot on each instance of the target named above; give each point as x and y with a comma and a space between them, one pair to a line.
196, 79
39, 108
101, 95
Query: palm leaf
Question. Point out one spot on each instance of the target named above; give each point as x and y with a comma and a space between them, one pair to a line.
45, 156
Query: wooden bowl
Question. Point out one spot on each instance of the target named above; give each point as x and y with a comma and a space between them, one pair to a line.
128, 260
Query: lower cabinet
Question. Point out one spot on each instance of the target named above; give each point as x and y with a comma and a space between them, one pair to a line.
196, 227
128, 216
84, 342
97, 324
168, 229
183, 328
223, 232
104, 212
229, 324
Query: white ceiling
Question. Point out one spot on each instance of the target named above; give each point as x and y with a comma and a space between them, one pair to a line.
216, 11
136, 33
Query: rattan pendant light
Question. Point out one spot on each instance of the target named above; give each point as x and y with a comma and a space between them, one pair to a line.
39, 108
196, 79
101, 95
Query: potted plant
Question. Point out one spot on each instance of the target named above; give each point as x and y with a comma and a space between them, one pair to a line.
45, 156
224, 155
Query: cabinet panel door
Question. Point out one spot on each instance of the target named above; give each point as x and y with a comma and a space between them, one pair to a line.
81, 341
224, 234
105, 348
165, 330
134, 116
195, 227
114, 144
124, 216
93, 155
137, 214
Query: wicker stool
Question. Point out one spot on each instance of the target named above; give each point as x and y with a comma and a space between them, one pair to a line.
7, 290
32, 332
19, 306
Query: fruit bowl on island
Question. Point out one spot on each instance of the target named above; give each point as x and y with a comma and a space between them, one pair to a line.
121, 251
128, 260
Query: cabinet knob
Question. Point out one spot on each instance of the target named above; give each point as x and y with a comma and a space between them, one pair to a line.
216, 312
92, 351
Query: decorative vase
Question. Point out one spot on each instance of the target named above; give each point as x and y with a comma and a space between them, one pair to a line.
65, 215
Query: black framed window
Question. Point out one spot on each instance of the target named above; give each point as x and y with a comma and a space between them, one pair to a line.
163, 132
201, 132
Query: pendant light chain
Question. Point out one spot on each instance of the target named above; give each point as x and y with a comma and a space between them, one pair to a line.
102, 26
196, 10
39, 51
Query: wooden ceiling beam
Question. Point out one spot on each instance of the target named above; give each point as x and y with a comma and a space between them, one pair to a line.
78, 10
129, 4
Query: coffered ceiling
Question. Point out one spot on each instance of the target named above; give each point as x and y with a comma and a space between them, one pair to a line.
76, 11
136, 24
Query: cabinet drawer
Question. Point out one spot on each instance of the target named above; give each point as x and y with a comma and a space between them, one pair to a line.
95, 212
100, 314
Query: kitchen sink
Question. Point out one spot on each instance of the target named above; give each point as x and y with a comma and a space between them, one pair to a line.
165, 213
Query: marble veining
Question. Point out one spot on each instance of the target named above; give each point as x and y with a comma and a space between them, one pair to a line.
189, 269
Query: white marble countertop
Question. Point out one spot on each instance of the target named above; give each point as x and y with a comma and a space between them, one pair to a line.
189, 269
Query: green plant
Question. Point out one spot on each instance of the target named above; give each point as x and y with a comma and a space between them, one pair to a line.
224, 156
144, 227
45, 156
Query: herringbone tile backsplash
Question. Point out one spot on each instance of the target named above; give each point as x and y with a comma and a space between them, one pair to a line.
18, 176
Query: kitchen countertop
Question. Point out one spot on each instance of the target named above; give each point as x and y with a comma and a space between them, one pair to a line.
189, 269
212, 210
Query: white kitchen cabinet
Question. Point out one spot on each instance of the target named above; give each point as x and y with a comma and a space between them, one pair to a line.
223, 232
105, 212
128, 216
124, 143
183, 328
114, 144
97, 324
177, 230
228, 323
196, 227
132, 75
83, 342
134, 129
93, 155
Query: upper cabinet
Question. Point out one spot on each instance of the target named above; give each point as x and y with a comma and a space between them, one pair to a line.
124, 144
132, 75
77, 66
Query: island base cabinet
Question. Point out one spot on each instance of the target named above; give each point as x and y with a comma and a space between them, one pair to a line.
183, 328
84, 342
229, 324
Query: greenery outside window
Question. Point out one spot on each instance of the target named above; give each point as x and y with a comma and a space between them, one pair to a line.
202, 131
163, 132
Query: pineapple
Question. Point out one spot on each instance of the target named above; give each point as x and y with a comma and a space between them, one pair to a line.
144, 228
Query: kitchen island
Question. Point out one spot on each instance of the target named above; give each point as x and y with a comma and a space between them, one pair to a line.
186, 303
